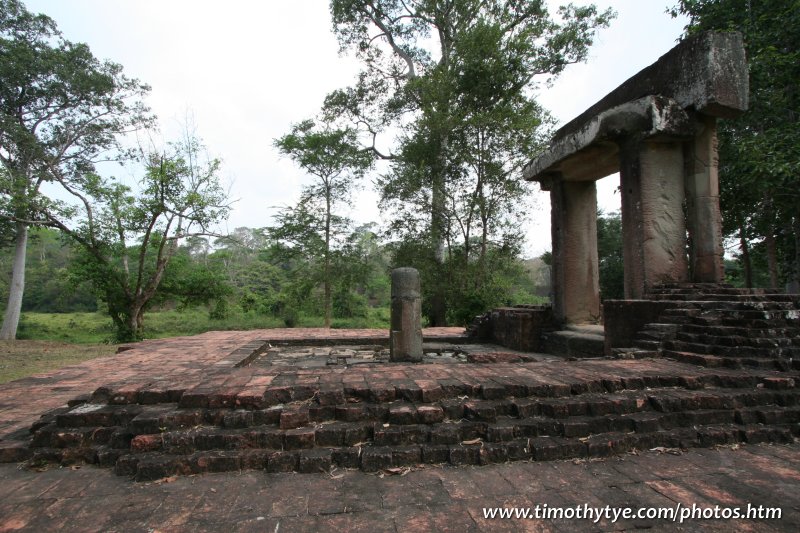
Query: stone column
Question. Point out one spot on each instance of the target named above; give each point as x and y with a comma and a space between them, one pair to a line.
703, 216
405, 334
575, 274
653, 225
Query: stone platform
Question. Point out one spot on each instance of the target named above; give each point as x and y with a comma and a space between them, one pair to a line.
197, 405
192, 405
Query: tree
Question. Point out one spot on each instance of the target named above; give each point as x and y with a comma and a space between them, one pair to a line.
464, 109
759, 165
332, 156
609, 254
51, 288
127, 238
61, 110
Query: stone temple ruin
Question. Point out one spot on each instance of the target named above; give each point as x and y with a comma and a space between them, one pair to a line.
683, 361
658, 130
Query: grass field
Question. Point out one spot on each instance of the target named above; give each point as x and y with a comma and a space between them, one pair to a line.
47, 341
23, 358
97, 327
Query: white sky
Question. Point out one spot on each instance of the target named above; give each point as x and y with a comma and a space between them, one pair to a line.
247, 69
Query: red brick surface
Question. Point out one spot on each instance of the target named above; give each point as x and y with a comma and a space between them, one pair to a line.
88, 498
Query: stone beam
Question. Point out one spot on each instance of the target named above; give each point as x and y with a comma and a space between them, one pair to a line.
706, 72
592, 151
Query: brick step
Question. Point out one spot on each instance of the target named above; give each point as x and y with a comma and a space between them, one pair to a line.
658, 331
634, 352
716, 361
771, 341
713, 288
503, 430
773, 352
728, 331
154, 419
711, 298
399, 423
739, 322
646, 344
684, 307
150, 466
753, 314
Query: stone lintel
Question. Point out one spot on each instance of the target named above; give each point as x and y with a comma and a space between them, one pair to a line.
592, 151
706, 72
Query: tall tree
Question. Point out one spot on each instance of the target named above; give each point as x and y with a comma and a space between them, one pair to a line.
759, 163
455, 77
127, 238
61, 110
334, 159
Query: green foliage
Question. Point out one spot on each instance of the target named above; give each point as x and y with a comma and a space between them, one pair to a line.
609, 252
455, 78
51, 288
759, 165
470, 288
312, 237
179, 196
61, 110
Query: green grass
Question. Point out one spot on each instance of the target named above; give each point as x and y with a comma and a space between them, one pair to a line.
48, 341
86, 328
23, 358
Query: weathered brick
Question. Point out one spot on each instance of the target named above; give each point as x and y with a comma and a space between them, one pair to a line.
146, 443
429, 414
493, 453
477, 410
351, 412
346, 457
294, 418
296, 439
435, 453
402, 414
240, 418
330, 435
376, 458
286, 461
499, 433
406, 455
315, 461
445, 434
330, 396
465, 455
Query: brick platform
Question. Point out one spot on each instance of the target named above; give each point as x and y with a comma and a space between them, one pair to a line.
452, 414
193, 405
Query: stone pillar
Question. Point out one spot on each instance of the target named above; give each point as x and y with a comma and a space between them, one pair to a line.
575, 274
405, 334
702, 203
653, 225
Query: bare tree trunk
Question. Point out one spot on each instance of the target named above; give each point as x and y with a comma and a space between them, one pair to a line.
135, 322
327, 280
772, 258
793, 283
17, 286
748, 267
438, 316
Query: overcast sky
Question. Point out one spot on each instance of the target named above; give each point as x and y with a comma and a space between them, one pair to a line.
247, 69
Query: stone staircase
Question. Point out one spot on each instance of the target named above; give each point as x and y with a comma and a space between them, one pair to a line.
590, 412
717, 325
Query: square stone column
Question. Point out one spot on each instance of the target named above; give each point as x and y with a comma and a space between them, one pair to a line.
703, 217
576, 280
653, 226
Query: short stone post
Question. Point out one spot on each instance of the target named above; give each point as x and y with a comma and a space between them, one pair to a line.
405, 334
